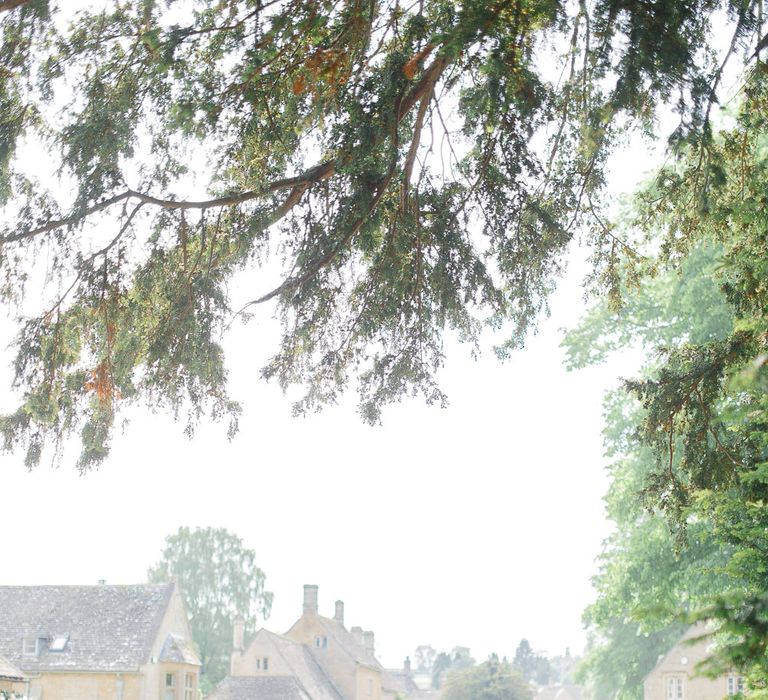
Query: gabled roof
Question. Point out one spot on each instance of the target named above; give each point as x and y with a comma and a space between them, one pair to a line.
690, 636
398, 680
107, 628
304, 667
259, 688
179, 650
348, 643
8, 672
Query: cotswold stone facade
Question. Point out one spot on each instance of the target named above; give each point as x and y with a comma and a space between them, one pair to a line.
316, 659
99, 642
675, 678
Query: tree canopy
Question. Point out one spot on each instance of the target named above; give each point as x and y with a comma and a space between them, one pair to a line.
689, 434
492, 680
413, 169
220, 581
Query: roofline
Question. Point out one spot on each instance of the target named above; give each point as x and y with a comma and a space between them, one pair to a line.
663, 657
171, 587
333, 621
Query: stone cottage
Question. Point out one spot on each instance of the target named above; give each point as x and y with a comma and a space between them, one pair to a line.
318, 658
100, 642
12, 679
675, 675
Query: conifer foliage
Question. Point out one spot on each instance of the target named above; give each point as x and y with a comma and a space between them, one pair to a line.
415, 167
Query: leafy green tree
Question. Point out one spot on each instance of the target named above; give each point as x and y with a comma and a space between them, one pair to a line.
492, 680
220, 581
646, 579
325, 133
698, 431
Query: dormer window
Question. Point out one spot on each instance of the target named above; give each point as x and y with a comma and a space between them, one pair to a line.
30, 646
59, 642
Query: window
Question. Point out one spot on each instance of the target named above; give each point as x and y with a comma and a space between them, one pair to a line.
170, 686
735, 685
370, 687
29, 646
258, 664
265, 663
59, 642
189, 686
321, 642
675, 688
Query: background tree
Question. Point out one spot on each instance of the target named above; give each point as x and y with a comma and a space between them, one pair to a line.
386, 154
457, 659
491, 680
425, 656
532, 666
220, 581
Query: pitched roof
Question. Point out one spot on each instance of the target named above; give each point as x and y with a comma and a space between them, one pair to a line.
100, 628
304, 666
348, 643
692, 635
179, 650
398, 680
8, 672
259, 688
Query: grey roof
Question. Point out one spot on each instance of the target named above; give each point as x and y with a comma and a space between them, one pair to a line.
8, 672
179, 650
398, 680
259, 688
347, 642
109, 628
304, 667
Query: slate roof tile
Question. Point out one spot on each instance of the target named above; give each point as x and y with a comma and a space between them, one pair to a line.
259, 688
8, 672
110, 628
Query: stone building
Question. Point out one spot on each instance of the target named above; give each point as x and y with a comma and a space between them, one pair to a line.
12, 679
318, 658
675, 676
100, 642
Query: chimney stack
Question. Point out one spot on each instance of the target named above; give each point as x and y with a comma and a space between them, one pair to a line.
407, 665
339, 614
357, 633
310, 599
238, 634
368, 641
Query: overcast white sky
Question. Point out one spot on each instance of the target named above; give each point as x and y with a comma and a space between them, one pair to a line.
476, 525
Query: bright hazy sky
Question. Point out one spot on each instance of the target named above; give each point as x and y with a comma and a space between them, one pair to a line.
476, 525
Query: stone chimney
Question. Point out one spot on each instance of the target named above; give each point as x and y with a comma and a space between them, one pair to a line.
310, 599
238, 634
368, 642
339, 614
357, 633
407, 665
